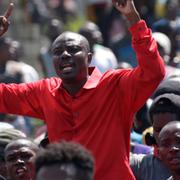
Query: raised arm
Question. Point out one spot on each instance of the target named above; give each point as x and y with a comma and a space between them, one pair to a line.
149, 72
128, 9
4, 22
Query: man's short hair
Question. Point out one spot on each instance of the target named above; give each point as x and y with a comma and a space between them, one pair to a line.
66, 152
8, 135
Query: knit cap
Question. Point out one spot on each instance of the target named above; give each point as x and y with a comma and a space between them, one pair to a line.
9, 134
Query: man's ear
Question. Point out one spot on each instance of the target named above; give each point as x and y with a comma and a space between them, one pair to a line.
89, 58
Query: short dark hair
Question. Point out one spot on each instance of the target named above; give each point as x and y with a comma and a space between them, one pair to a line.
5, 41
67, 33
24, 141
168, 102
66, 152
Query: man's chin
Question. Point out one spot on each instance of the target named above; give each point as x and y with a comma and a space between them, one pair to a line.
68, 78
21, 177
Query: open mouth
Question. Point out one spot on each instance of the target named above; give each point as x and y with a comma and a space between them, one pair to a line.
66, 68
21, 171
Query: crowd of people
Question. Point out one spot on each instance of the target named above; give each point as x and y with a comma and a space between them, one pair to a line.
109, 100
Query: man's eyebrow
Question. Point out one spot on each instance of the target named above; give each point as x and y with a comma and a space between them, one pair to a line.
10, 154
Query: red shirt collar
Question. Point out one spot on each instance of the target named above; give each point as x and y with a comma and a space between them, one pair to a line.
92, 82
94, 77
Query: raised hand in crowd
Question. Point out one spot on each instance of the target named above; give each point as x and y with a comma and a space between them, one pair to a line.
4, 22
128, 9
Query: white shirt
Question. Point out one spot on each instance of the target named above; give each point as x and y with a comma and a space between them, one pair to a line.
103, 58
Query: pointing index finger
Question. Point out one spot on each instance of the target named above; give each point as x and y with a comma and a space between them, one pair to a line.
9, 10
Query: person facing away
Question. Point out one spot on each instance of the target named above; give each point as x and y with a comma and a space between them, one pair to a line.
164, 109
94, 36
169, 148
65, 160
19, 156
17, 65
54, 28
85, 106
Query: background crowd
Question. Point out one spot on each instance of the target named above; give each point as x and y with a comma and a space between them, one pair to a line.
25, 53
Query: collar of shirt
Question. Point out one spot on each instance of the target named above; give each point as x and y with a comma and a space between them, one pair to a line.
92, 82
170, 178
94, 77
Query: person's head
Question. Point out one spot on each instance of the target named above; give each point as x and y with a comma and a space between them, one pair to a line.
71, 57
172, 9
19, 156
164, 109
170, 85
5, 44
169, 147
7, 134
16, 50
67, 160
54, 29
92, 32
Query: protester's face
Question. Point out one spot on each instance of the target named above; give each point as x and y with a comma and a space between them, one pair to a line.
71, 57
159, 121
66, 172
18, 161
169, 147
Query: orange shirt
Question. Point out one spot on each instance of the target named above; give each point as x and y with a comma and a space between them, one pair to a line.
100, 115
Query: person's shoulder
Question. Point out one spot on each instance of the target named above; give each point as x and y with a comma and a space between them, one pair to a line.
149, 167
142, 159
115, 75
47, 84
51, 80
102, 48
16, 66
136, 158
118, 72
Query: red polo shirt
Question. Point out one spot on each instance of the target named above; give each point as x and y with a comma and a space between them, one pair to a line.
100, 115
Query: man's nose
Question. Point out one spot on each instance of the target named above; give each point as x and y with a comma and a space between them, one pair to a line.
65, 54
20, 161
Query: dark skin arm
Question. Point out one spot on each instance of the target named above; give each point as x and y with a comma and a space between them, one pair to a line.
4, 23
128, 9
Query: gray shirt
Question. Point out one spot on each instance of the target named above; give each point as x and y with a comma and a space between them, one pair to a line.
171, 178
148, 167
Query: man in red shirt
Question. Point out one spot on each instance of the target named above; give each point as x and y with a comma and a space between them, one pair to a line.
85, 106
